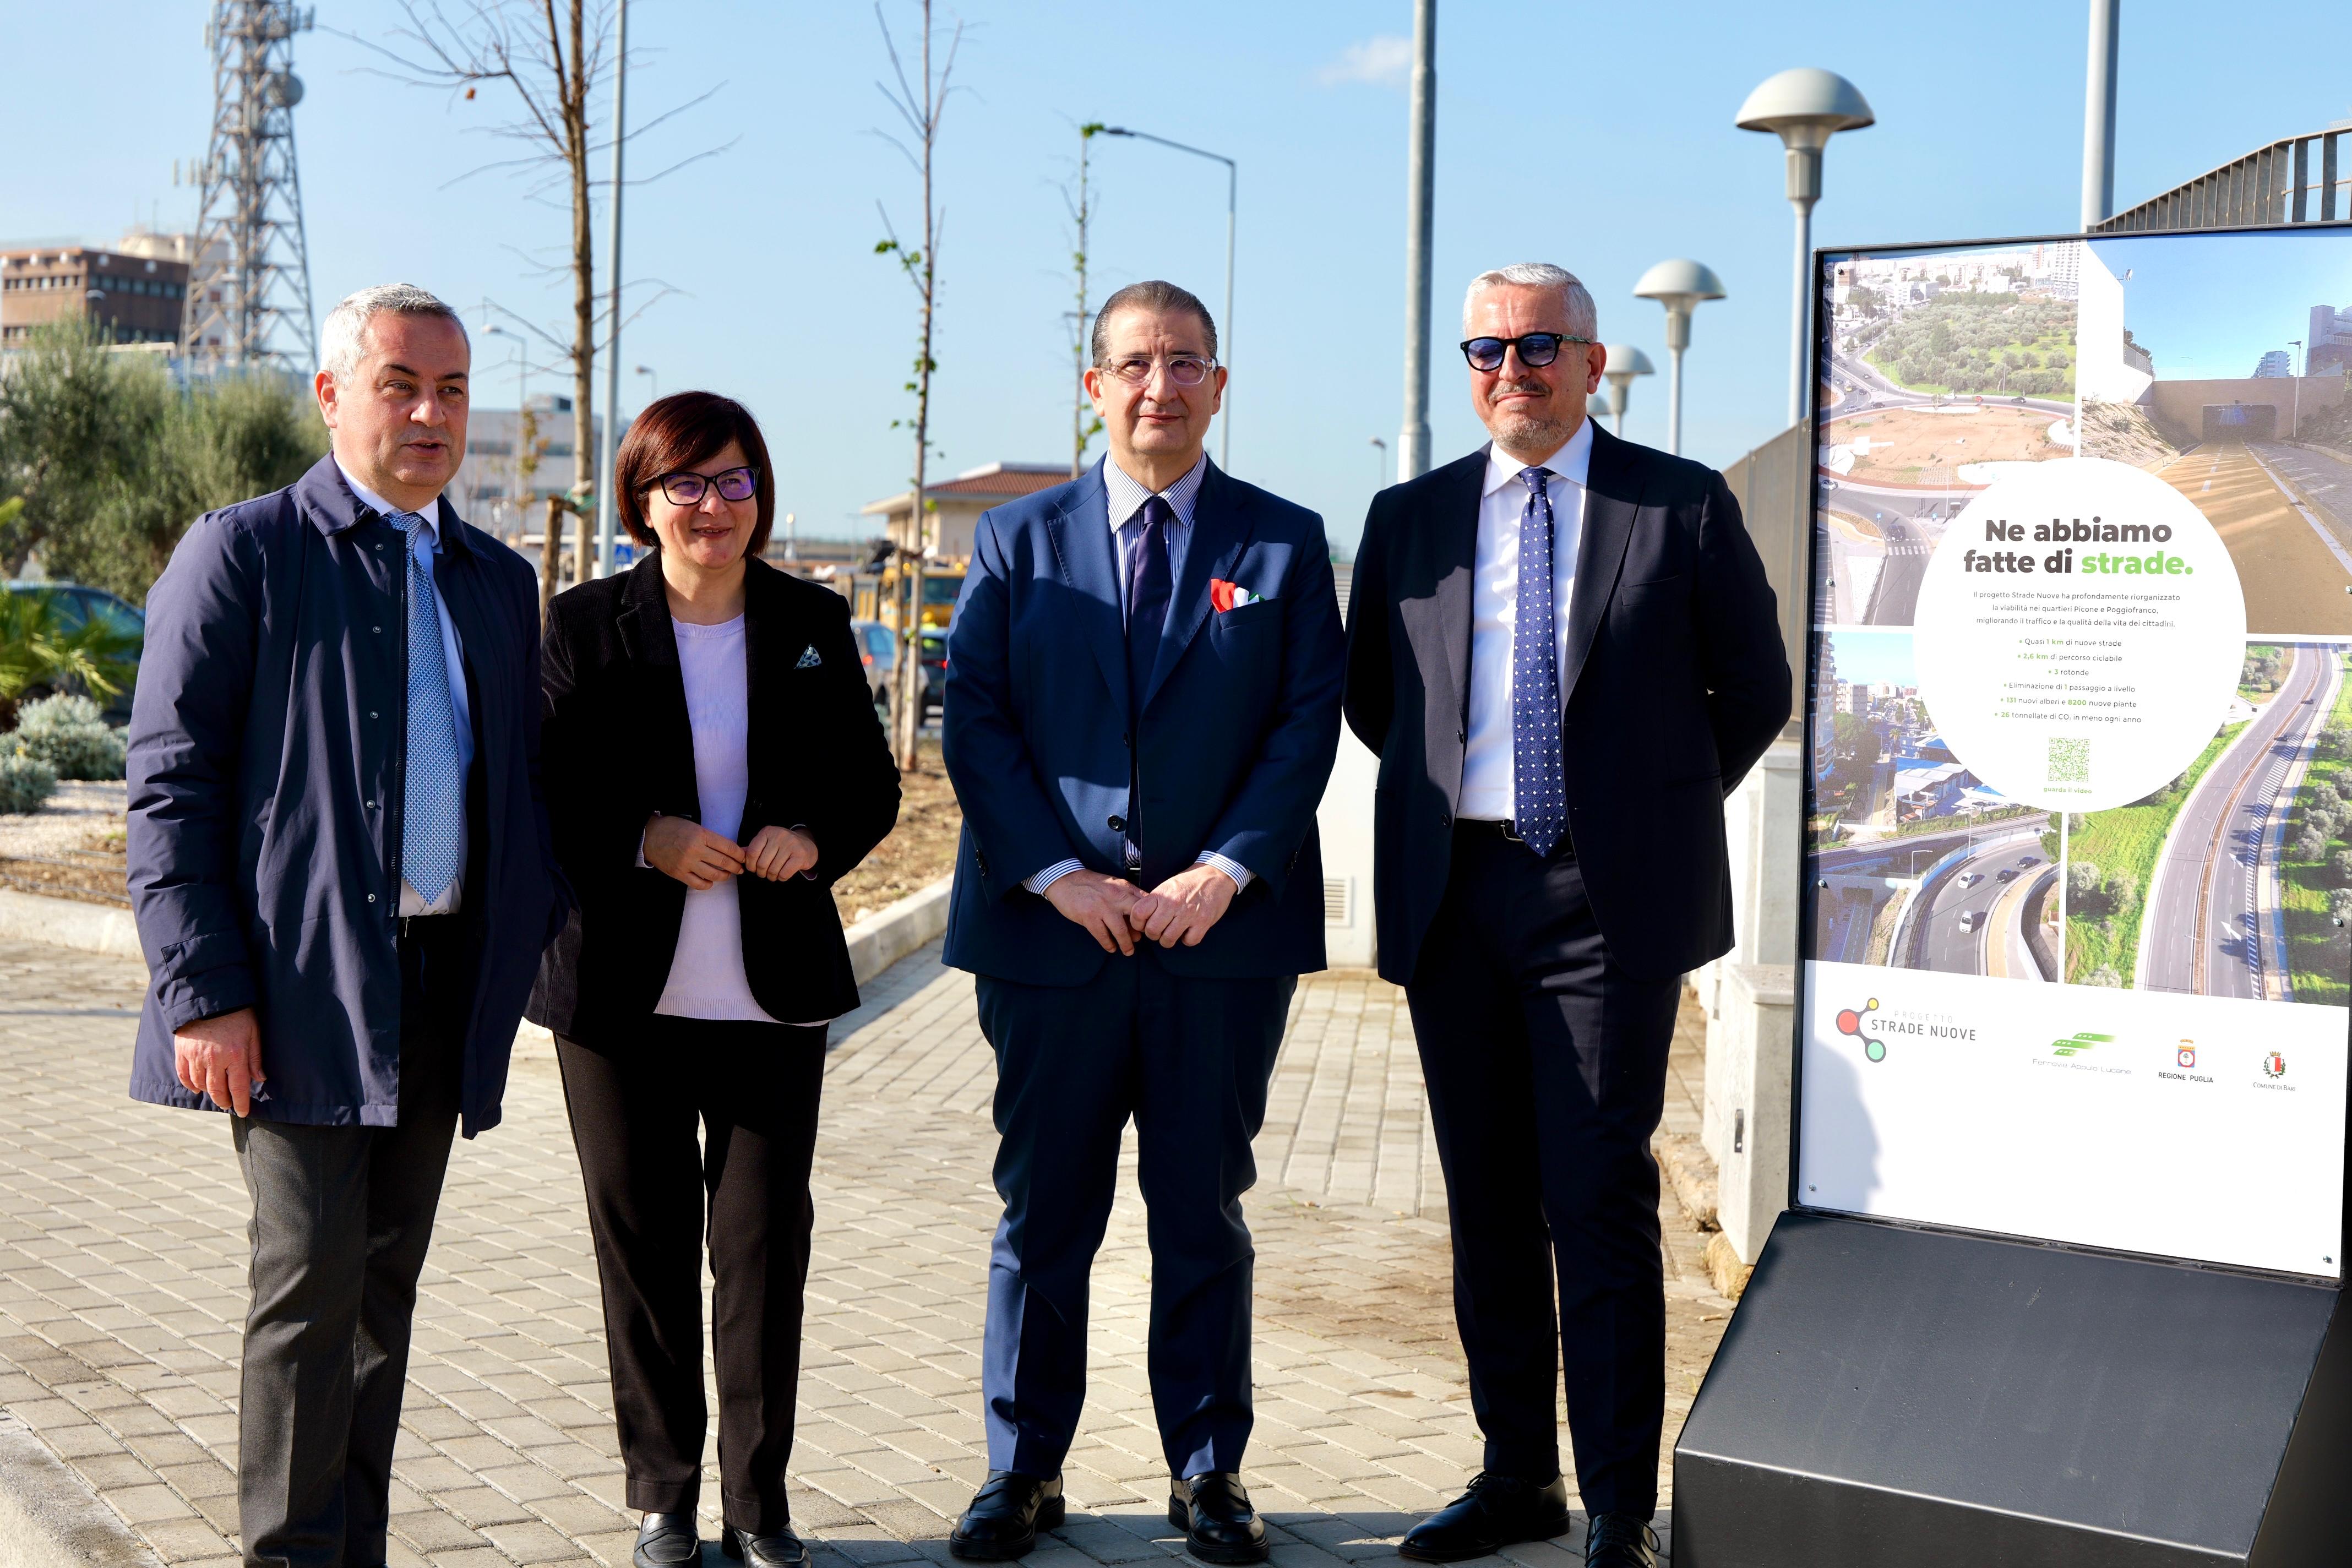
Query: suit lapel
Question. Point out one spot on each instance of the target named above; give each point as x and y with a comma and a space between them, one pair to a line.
1448, 533
646, 632
1082, 545
1219, 531
1612, 500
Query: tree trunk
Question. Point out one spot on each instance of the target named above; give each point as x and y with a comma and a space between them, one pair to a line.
583, 297
550, 544
910, 696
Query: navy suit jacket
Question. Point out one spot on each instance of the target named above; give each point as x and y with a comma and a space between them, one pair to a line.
1239, 728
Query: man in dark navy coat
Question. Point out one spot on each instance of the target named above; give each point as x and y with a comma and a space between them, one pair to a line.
1565, 652
1142, 709
340, 867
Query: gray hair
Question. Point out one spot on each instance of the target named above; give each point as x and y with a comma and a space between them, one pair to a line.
1157, 297
1583, 320
340, 339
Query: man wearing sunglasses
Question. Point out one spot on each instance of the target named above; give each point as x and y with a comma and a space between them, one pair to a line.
1565, 652
1142, 709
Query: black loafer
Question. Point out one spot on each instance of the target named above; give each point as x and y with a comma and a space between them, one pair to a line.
1214, 1513
667, 1541
782, 1549
1495, 1511
1005, 1515
1619, 1540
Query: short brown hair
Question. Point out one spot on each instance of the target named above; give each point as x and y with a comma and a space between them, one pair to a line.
1159, 298
677, 432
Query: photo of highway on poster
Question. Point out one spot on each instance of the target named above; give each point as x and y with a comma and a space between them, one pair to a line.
1914, 863
2229, 881
2217, 363
1944, 369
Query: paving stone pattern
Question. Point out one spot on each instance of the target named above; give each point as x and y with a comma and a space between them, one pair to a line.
122, 1287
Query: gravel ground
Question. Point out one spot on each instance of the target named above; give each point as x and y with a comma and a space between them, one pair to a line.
71, 847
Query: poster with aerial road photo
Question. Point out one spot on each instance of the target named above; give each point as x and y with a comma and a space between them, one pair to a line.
2077, 952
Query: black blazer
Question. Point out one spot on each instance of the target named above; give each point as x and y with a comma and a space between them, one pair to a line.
1675, 683
619, 747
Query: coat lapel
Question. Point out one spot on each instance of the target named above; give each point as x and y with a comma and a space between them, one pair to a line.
1612, 501
646, 632
1219, 531
1449, 538
1082, 547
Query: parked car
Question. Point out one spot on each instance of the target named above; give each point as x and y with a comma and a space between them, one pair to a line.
935, 673
878, 645
74, 606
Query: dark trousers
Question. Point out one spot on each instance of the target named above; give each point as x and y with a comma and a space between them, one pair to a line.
752, 1089
342, 1218
1547, 1068
1189, 1060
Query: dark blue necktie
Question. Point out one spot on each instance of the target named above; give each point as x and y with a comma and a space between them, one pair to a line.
1148, 591
1539, 794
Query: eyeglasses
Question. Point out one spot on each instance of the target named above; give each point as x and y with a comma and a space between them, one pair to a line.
688, 490
1185, 370
1536, 350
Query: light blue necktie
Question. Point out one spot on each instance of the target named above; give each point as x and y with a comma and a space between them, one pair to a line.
1539, 792
432, 799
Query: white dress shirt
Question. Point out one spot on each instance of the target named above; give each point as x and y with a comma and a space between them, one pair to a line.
1487, 760
706, 970
452, 896
1125, 497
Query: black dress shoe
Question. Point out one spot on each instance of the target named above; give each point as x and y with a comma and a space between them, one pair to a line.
1619, 1540
1005, 1515
782, 1549
1495, 1511
1213, 1512
666, 1540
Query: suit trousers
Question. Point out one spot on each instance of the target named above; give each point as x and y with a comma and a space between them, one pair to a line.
1189, 1060
342, 1218
750, 1089
1547, 1066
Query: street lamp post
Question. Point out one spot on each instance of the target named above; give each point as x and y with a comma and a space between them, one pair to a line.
1380, 463
1680, 286
1225, 348
652, 382
2294, 426
2099, 116
1624, 361
1804, 108
1420, 188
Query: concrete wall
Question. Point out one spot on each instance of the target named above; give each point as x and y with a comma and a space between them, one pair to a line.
2179, 405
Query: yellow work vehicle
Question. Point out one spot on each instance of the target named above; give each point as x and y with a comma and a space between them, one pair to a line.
879, 596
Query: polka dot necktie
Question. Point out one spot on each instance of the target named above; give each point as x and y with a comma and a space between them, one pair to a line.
433, 800
1539, 794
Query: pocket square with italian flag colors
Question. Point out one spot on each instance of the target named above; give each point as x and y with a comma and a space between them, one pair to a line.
809, 659
1224, 596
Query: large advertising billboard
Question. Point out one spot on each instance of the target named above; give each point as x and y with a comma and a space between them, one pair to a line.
2077, 955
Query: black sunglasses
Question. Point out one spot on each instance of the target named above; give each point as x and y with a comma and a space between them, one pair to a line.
1536, 350
688, 490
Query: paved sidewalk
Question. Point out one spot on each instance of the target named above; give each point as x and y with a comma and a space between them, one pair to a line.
122, 1290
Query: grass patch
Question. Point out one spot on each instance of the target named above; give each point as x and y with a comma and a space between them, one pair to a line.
2315, 960
2123, 844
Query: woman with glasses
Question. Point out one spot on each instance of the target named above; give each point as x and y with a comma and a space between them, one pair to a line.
712, 763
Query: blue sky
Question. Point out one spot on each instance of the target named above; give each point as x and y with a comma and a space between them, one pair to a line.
2212, 307
1874, 657
1597, 137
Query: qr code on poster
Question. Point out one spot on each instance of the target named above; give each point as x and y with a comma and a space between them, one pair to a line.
2070, 761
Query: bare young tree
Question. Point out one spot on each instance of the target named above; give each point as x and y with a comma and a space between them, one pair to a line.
1079, 198
552, 56
920, 105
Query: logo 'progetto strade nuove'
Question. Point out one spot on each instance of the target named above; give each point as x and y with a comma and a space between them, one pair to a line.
1849, 1022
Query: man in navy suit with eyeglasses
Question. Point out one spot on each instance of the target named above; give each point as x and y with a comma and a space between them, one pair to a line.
1142, 709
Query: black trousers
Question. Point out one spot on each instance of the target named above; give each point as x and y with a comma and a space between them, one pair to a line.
1547, 1066
342, 1218
752, 1090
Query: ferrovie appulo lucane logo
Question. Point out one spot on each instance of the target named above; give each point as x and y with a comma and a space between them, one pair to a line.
1850, 1022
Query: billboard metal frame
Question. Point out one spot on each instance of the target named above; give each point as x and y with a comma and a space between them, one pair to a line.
1807, 908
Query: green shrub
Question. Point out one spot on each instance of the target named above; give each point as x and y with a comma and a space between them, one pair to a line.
69, 734
24, 784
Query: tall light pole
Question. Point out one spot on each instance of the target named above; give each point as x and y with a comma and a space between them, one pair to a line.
1624, 361
605, 513
1804, 108
1420, 167
1225, 345
2099, 114
652, 382
1680, 286
2294, 428
1379, 462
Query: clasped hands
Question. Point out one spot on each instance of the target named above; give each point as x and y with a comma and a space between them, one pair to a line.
685, 850
1117, 914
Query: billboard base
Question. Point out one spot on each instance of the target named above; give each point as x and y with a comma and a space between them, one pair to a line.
1886, 1395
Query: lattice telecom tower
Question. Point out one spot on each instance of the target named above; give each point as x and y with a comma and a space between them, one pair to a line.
249, 297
